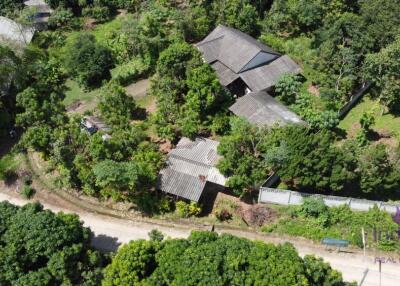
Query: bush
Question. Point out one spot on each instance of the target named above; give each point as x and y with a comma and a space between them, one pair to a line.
185, 210
156, 235
99, 13
27, 179
313, 207
28, 192
223, 214
126, 73
61, 18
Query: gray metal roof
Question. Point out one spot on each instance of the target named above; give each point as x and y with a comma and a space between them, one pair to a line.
262, 109
225, 75
12, 31
40, 5
231, 47
234, 55
189, 167
266, 76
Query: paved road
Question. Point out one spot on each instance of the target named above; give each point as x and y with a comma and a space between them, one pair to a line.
111, 232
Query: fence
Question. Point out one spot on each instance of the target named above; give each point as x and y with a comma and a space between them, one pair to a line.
354, 99
286, 197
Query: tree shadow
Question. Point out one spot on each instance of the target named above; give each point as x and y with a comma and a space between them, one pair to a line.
140, 114
105, 243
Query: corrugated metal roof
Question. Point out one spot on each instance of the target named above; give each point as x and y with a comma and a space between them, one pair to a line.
189, 166
233, 54
231, 47
266, 76
225, 75
40, 5
12, 31
262, 109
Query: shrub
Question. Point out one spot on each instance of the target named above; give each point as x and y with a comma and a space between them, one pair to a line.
287, 88
27, 180
128, 72
185, 210
61, 18
28, 192
156, 235
223, 214
313, 207
99, 13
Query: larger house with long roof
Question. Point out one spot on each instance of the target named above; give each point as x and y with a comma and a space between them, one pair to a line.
249, 69
241, 62
191, 170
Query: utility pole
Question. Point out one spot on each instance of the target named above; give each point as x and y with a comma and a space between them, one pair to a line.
363, 239
380, 272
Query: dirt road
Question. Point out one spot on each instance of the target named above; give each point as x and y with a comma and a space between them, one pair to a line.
110, 232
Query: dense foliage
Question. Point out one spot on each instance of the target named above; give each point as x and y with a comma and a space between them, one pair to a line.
314, 220
188, 93
307, 161
88, 61
206, 258
38, 247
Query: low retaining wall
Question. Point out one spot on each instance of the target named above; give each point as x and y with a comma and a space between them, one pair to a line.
286, 197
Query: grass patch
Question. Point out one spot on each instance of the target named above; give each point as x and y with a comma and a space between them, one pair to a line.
75, 92
340, 223
386, 122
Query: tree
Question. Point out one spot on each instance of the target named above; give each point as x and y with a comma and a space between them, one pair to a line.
133, 262
87, 60
381, 21
10, 6
206, 258
239, 14
313, 163
115, 106
169, 86
342, 44
242, 155
287, 88
383, 69
378, 175
38, 247
204, 98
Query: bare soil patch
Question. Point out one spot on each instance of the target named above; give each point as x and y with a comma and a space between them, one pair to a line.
139, 88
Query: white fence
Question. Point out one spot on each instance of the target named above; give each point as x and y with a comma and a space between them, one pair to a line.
285, 197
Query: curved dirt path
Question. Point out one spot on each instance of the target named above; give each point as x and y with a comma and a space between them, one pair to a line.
110, 232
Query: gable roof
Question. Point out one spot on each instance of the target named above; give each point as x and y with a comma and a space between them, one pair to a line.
40, 5
262, 109
189, 167
234, 54
266, 76
12, 31
231, 47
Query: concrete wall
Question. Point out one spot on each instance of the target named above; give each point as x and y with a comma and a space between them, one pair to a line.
286, 197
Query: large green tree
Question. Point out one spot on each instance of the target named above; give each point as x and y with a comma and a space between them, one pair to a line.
38, 247
87, 60
383, 69
206, 258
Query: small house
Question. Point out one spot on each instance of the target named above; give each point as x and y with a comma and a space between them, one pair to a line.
13, 33
191, 172
43, 12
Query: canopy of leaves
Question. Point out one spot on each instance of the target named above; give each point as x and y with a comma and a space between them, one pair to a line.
383, 69
38, 247
87, 60
206, 258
